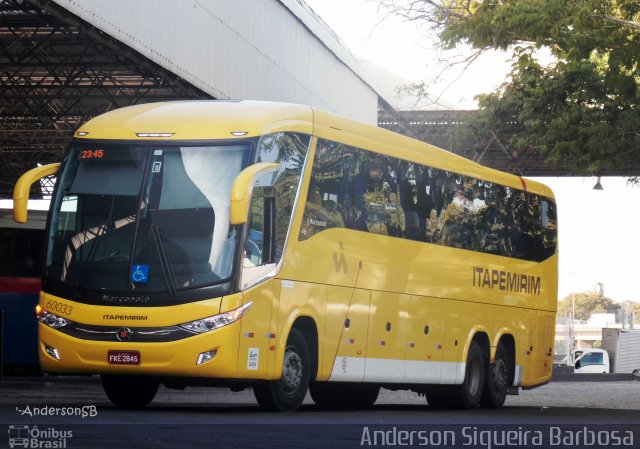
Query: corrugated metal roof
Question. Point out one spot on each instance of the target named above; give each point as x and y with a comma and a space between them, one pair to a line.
276, 50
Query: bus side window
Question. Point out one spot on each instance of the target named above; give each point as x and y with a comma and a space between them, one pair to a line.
549, 229
380, 197
328, 199
290, 151
259, 248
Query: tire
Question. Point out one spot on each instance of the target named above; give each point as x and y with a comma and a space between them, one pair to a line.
498, 378
130, 392
468, 394
287, 393
338, 395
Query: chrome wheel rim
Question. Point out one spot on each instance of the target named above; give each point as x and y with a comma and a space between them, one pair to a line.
291, 371
500, 375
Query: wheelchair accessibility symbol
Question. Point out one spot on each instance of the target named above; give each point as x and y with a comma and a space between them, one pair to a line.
140, 274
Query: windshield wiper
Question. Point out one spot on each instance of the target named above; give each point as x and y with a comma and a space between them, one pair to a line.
165, 265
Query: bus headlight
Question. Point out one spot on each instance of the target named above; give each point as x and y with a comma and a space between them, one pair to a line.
53, 320
216, 321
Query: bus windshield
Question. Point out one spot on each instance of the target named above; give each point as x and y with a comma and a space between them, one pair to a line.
144, 218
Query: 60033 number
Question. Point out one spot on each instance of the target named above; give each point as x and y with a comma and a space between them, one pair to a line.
59, 307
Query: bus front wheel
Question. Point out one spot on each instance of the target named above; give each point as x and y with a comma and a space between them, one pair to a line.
129, 391
287, 393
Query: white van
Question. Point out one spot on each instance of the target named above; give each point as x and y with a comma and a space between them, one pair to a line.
591, 361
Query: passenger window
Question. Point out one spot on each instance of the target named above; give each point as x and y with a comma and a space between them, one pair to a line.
376, 195
456, 217
549, 229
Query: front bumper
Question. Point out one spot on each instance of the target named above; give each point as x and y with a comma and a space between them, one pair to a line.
173, 358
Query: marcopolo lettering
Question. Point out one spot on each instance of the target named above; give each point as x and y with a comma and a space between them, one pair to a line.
136, 299
506, 281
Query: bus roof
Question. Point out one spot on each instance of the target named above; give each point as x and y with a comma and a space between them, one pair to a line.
198, 120
227, 119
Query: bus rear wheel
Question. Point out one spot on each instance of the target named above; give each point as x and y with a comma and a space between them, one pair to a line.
287, 393
129, 392
468, 394
498, 377
344, 395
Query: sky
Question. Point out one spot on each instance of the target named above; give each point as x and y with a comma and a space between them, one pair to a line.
409, 50
599, 231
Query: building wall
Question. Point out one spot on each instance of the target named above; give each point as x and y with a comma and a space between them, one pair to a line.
242, 49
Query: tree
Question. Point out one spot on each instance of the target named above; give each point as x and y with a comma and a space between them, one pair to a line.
587, 303
632, 310
582, 109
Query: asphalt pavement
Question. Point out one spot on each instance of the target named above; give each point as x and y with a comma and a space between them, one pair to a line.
73, 412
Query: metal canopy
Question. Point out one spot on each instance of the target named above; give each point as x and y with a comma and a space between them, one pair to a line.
56, 72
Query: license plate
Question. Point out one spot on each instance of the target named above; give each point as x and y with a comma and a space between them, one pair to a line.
123, 357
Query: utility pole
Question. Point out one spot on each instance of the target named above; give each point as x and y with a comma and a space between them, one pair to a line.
572, 336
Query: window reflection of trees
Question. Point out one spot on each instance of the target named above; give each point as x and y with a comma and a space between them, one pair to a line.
383, 195
289, 150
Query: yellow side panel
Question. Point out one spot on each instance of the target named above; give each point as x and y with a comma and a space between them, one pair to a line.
456, 328
256, 334
542, 354
336, 314
525, 348
463, 321
425, 340
387, 339
346, 329
346, 257
298, 299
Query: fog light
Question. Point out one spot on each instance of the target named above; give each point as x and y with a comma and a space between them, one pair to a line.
204, 357
53, 352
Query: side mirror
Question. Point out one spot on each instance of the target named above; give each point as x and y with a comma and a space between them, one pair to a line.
242, 187
22, 187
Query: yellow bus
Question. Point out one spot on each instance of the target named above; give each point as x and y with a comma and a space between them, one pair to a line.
286, 249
